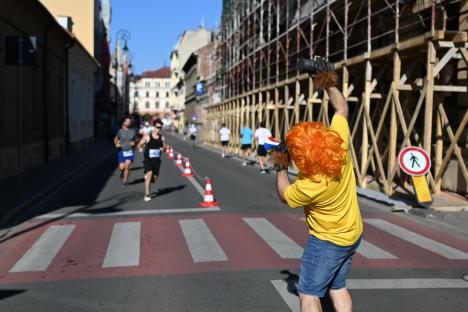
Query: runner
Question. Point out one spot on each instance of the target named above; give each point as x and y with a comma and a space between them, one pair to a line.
193, 134
154, 146
246, 143
125, 141
261, 134
225, 134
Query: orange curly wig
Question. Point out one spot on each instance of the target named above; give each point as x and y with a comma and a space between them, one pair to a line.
317, 151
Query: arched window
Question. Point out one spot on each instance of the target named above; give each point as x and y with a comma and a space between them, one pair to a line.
167, 104
157, 94
136, 93
157, 105
167, 94
147, 94
147, 104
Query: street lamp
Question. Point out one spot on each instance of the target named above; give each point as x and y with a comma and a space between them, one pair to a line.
122, 35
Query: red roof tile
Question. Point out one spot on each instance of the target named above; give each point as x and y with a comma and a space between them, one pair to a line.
163, 72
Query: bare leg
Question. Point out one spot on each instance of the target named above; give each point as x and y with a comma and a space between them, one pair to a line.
341, 300
261, 160
310, 303
128, 163
121, 168
148, 176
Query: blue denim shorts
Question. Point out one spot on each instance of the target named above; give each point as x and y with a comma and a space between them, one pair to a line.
324, 266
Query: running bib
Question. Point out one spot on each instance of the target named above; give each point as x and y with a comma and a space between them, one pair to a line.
154, 153
127, 153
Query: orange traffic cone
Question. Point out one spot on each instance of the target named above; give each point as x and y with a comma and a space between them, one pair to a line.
171, 153
179, 160
208, 199
188, 169
168, 149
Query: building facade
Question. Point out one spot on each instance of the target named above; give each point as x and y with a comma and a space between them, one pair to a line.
149, 93
402, 67
33, 97
188, 42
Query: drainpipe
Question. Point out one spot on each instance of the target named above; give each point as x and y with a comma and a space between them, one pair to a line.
45, 106
67, 97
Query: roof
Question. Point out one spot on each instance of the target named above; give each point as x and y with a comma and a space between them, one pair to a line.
163, 72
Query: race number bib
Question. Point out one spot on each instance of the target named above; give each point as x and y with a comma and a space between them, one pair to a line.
127, 153
154, 153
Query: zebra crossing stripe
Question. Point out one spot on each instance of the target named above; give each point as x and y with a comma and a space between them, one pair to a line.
291, 300
124, 246
418, 240
44, 250
202, 244
371, 251
284, 246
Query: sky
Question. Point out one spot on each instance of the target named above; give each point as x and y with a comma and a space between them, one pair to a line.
155, 26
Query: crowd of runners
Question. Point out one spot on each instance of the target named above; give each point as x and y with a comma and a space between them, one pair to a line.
149, 141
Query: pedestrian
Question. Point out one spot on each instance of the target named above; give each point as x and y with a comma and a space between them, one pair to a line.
193, 134
225, 135
125, 141
146, 128
261, 135
154, 146
246, 143
326, 188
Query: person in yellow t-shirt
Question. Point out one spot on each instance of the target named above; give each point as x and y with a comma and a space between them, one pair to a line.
326, 188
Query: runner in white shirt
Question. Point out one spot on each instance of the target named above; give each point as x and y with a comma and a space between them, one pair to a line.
225, 135
261, 134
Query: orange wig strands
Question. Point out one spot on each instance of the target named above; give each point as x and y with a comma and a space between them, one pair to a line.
317, 151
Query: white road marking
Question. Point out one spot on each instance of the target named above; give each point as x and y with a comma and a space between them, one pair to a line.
406, 283
418, 240
202, 244
291, 300
371, 251
127, 213
124, 246
44, 250
284, 246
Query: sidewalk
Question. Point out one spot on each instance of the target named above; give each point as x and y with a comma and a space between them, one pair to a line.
43, 180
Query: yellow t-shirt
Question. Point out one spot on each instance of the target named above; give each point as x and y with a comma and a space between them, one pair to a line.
331, 208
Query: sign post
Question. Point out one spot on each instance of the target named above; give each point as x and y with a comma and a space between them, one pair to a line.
415, 162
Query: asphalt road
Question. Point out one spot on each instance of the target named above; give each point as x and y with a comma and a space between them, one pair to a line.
95, 246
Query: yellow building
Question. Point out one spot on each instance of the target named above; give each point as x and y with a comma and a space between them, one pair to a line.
84, 15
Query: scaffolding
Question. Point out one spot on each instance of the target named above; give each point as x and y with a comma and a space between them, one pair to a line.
402, 66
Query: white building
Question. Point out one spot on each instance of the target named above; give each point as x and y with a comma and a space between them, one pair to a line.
150, 93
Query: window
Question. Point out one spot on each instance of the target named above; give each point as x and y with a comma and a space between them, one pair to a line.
147, 84
157, 84
147, 104
168, 84
136, 94
147, 94
157, 94
135, 104
167, 104
157, 105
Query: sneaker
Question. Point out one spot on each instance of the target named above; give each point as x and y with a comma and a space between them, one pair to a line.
263, 171
244, 163
147, 198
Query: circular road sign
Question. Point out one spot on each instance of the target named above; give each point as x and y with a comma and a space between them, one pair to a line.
414, 161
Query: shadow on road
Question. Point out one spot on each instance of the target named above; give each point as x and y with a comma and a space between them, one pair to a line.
292, 279
6, 293
168, 190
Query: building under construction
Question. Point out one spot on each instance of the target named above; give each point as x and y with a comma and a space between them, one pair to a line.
402, 66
